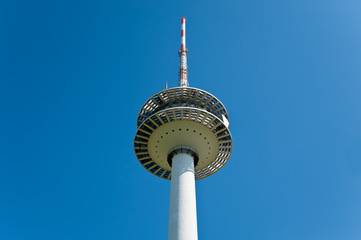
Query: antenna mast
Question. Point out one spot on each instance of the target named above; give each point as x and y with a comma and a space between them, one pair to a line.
183, 52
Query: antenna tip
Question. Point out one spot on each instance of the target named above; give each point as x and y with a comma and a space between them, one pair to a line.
183, 20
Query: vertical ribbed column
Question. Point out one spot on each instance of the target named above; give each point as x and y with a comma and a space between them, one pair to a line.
182, 212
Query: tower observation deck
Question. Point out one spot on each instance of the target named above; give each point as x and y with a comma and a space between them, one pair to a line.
183, 135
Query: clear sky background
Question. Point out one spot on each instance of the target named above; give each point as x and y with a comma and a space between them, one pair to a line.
74, 74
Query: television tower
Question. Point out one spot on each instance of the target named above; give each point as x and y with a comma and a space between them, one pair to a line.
183, 136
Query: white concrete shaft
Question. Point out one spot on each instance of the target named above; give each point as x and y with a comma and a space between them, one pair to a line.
182, 212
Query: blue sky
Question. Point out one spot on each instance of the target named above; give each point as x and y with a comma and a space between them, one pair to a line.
74, 74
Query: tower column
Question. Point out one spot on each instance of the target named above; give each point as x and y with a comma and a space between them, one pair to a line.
182, 212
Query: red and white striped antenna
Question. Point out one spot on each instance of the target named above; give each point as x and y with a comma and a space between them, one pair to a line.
183, 52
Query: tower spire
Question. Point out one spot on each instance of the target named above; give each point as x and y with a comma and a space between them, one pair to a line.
183, 52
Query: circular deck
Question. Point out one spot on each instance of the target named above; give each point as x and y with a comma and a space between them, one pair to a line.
181, 96
173, 127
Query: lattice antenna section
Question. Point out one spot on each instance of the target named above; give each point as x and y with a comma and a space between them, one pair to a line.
183, 52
